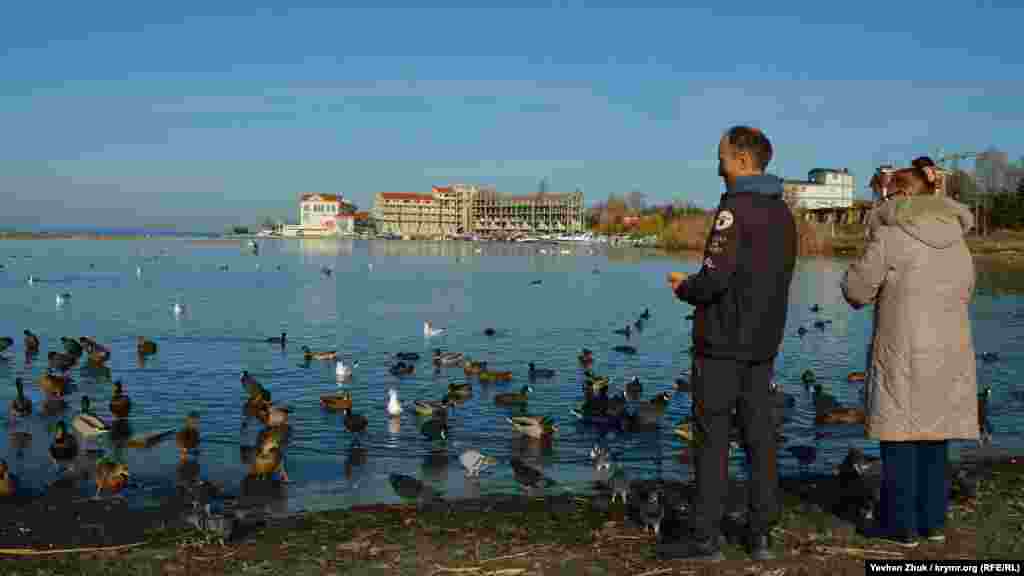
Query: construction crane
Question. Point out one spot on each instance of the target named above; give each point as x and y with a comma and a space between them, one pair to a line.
955, 170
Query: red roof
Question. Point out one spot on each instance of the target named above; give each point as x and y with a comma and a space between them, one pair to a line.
443, 188
406, 196
361, 216
324, 197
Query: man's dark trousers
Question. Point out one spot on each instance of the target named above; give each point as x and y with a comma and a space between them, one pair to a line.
718, 385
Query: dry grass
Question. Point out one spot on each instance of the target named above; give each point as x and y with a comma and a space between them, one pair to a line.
690, 233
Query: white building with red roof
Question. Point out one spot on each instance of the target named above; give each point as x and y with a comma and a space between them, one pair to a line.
323, 214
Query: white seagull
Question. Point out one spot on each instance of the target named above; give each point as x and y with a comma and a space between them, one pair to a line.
62, 298
138, 271
394, 406
429, 330
344, 371
178, 308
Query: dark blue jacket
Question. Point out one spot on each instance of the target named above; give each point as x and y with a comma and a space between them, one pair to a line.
742, 289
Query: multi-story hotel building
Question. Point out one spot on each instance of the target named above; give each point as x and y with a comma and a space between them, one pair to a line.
463, 209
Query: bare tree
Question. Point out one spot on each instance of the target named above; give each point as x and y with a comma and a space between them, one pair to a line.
636, 201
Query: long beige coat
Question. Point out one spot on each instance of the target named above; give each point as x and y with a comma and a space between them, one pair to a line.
922, 382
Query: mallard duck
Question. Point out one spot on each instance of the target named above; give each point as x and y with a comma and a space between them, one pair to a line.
71, 346
275, 416
5, 343
856, 377
815, 308
8, 483
145, 347
808, 376
460, 389
402, 369
595, 382
98, 358
269, 459
517, 398
625, 349
801, 331
88, 424
633, 387
21, 406
355, 423
407, 356
586, 357
110, 476
64, 447
188, 437
341, 401
533, 426
436, 428
492, 376
310, 355
282, 339
120, 404
254, 389
54, 385
31, 342
490, 331
470, 367
823, 402
661, 400
841, 415
428, 407
540, 372
60, 361
394, 407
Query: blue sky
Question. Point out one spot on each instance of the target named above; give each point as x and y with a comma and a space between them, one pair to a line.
208, 114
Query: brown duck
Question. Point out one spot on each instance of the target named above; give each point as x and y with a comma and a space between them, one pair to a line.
120, 404
145, 347
188, 437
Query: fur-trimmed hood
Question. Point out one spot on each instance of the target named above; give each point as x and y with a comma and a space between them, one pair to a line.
936, 221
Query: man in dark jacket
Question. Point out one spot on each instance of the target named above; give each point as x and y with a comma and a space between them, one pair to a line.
741, 294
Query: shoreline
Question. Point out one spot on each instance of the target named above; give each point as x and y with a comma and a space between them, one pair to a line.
505, 535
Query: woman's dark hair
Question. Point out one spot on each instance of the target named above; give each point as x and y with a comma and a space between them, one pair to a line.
922, 161
753, 142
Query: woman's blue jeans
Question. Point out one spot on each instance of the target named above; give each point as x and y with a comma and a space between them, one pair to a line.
914, 488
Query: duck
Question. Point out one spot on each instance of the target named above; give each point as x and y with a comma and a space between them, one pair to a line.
841, 415
820, 324
646, 314
98, 357
808, 376
436, 428
276, 417
984, 430
282, 339
178, 309
989, 357
447, 358
268, 460
63, 298
688, 432
856, 377
473, 462
72, 346
805, 455
335, 402
625, 349
801, 331
8, 483
60, 361
187, 438
536, 373
252, 386
627, 331
53, 384
536, 282
120, 404
31, 342
342, 371
355, 423
457, 389
326, 271
514, 398
428, 407
21, 406
430, 331
145, 347
407, 356
682, 384
394, 407
257, 406
402, 369
64, 447
536, 427
595, 382
495, 376
526, 475
470, 367
490, 331
586, 357
88, 424
633, 387
815, 308
310, 355
823, 402
111, 476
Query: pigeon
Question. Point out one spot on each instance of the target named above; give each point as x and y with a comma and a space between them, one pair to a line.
601, 458
653, 513
619, 486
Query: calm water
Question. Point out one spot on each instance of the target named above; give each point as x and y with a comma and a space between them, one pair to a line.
371, 314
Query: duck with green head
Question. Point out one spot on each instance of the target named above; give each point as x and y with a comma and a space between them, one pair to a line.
120, 403
514, 398
88, 424
21, 406
460, 390
64, 447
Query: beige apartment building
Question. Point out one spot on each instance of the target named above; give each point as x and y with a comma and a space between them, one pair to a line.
464, 209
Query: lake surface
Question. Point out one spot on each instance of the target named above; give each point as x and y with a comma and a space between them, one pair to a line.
370, 314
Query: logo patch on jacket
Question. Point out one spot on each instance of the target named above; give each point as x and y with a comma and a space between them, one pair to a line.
709, 264
724, 220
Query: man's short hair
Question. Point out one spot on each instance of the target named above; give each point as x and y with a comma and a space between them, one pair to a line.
752, 141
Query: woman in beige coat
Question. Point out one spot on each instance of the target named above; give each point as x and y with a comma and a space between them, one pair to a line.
922, 388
